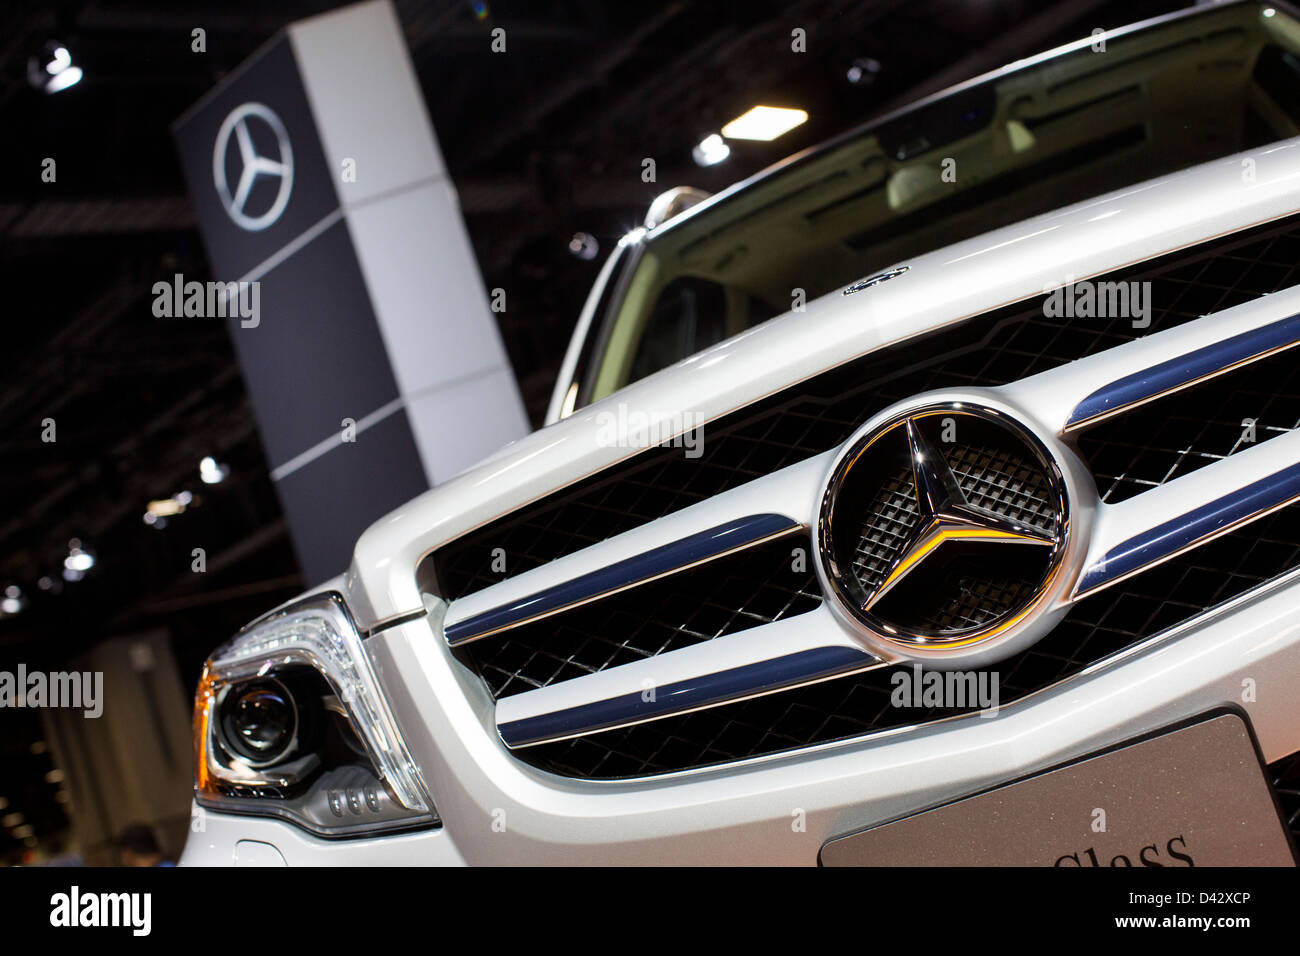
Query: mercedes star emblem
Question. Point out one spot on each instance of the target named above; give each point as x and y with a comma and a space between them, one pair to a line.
252, 165
942, 529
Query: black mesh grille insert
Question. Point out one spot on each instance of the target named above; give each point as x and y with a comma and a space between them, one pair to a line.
1003, 482
1095, 628
759, 585
816, 415
890, 520
1174, 436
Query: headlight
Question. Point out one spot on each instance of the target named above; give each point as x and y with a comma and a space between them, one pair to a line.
289, 722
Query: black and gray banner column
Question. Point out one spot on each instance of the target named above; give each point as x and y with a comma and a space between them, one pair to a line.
374, 363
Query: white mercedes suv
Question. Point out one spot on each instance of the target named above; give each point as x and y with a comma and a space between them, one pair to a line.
930, 497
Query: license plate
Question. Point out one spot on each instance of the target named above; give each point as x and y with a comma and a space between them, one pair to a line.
1196, 795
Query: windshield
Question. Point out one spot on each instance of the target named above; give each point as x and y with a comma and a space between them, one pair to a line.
1023, 142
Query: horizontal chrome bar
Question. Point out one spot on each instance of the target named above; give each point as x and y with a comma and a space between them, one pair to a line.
1185, 370
1172, 537
1080, 393
679, 555
706, 690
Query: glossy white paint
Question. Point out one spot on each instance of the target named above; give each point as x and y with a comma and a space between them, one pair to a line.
941, 288
218, 844
742, 813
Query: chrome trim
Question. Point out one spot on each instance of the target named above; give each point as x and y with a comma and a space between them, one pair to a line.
695, 549
1263, 590
708, 690
876, 279
1185, 371
672, 203
935, 501
1192, 529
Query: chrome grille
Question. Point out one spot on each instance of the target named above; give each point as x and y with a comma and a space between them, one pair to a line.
726, 596
723, 596
1095, 628
1182, 433
809, 418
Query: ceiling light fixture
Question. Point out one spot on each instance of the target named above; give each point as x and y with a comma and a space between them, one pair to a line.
211, 472
78, 561
711, 150
764, 123
51, 70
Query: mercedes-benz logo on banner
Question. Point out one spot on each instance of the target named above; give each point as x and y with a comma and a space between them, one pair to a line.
242, 125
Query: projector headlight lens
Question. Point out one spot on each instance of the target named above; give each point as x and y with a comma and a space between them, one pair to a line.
258, 720
289, 721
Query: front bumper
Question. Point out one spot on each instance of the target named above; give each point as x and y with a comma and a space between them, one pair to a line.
780, 809
227, 839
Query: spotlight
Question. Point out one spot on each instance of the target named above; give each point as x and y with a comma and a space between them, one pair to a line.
51, 69
764, 123
78, 561
863, 71
161, 508
711, 150
213, 473
13, 601
584, 245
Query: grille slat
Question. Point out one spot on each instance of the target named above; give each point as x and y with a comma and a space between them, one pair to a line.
756, 586
1153, 444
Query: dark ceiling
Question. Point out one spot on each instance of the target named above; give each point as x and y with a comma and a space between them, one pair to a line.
543, 142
